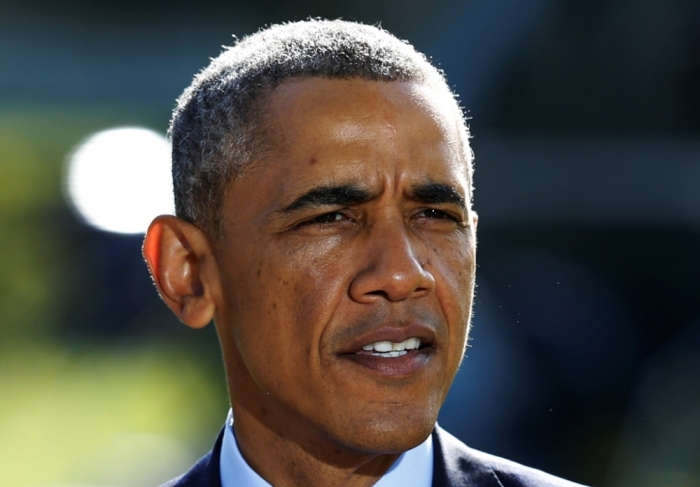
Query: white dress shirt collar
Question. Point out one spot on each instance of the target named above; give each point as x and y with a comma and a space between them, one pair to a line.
414, 467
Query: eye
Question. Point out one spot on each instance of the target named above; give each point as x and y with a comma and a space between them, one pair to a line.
436, 214
334, 216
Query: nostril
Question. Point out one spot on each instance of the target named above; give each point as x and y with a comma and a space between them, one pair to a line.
381, 294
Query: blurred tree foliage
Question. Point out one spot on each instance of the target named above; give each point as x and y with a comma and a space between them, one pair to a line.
126, 415
108, 411
31, 152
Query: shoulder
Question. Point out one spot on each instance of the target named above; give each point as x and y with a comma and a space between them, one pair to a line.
457, 465
205, 473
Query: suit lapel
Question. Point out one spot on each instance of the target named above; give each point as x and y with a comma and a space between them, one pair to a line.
205, 473
455, 466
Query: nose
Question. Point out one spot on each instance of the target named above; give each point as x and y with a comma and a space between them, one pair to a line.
392, 270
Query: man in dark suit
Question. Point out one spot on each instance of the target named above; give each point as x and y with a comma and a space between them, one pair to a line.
323, 187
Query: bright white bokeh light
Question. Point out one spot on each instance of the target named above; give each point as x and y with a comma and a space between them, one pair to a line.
118, 180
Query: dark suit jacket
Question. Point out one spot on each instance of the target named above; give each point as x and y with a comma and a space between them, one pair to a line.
455, 465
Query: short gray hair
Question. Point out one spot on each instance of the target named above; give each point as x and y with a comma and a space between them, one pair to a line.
216, 126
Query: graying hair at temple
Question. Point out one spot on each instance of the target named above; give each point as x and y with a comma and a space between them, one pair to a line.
217, 125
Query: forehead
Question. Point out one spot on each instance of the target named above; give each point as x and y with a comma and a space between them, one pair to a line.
351, 103
373, 134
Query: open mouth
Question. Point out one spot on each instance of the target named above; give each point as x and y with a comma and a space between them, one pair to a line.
387, 349
398, 352
393, 363
394, 359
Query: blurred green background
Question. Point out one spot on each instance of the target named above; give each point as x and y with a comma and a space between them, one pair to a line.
585, 356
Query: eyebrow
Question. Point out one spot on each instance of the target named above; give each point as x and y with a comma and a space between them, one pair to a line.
340, 195
437, 193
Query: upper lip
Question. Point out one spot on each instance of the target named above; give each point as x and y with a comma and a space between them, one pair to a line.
392, 333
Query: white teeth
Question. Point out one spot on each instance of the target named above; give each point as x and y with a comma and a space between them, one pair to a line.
393, 353
391, 349
383, 346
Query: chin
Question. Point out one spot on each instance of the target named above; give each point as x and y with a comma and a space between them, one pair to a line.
393, 433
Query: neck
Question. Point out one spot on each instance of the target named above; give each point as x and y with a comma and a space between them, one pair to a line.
290, 454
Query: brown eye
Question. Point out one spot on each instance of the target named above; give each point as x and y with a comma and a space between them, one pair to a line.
435, 214
329, 217
332, 217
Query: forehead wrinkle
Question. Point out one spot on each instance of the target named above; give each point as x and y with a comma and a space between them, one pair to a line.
361, 128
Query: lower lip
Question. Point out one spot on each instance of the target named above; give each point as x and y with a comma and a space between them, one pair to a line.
401, 366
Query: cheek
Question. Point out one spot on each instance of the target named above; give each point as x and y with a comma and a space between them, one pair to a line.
317, 288
455, 264
288, 298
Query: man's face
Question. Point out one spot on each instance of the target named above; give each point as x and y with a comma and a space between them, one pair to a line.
352, 235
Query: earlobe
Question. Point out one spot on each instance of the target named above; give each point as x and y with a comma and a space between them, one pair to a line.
183, 268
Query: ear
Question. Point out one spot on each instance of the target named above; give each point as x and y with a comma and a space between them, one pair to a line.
182, 265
